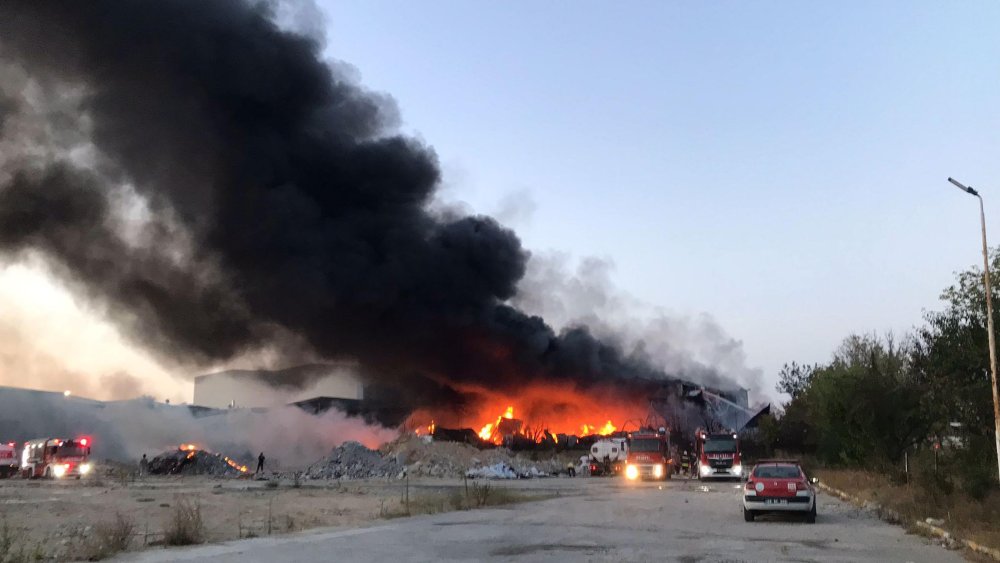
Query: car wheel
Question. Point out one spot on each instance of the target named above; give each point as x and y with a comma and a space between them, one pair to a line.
811, 517
748, 515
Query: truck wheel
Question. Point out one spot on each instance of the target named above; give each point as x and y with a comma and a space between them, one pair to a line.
748, 515
811, 517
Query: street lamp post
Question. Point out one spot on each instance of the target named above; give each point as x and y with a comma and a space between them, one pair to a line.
989, 318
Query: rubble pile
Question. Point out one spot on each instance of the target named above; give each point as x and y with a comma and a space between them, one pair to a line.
193, 462
421, 456
431, 458
352, 460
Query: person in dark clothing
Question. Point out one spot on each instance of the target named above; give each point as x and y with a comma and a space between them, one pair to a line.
260, 463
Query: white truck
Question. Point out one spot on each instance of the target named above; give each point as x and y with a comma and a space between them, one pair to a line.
9, 460
608, 456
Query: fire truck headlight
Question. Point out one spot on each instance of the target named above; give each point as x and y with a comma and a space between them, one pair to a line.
632, 472
658, 471
705, 470
84, 468
59, 470
738, 469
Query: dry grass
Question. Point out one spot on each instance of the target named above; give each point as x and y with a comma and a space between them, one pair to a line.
975, 520
184, 526
108, 539
14, 546
477, 495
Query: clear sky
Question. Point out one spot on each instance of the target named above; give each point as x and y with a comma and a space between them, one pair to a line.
779, 165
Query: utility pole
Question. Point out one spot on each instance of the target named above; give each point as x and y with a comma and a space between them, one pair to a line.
989, 318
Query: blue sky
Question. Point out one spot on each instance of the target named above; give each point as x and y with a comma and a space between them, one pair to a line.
779, 165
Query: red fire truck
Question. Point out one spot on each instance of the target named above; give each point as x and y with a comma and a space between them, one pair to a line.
650, 455
54, 458
718, 455
8, 459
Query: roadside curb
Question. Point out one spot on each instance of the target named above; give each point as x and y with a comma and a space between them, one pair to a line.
892, 516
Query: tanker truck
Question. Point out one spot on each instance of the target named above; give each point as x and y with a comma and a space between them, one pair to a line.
608, 456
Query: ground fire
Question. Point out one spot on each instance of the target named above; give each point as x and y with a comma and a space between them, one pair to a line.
540, 413
190, 459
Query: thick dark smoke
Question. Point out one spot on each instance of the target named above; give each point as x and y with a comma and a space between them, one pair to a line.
274, 199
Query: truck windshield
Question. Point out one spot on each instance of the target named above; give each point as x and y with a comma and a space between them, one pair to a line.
646, 445
71, 450
720, 445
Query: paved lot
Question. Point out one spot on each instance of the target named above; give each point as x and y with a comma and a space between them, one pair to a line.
596, 520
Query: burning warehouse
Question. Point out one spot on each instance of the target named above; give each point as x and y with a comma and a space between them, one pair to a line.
253, 199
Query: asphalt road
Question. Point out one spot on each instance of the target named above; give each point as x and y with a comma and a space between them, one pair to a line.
595, 520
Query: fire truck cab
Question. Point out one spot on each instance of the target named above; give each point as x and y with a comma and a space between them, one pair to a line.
650, 456
54, 458
8, 459
718, 455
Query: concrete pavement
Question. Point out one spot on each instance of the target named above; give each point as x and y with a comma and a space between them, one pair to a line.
603, 520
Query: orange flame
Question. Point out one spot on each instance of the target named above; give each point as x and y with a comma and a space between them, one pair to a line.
537, 411
192, 449
607, 429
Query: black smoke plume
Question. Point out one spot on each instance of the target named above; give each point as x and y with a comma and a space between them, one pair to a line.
276, 200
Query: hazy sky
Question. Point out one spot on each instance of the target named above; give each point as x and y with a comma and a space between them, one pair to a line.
778, 165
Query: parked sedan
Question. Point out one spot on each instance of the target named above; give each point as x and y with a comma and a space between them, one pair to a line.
778, 486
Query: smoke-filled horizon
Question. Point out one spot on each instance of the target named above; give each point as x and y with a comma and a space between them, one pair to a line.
218, 189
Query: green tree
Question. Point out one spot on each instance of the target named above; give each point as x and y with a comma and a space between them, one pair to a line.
793, 379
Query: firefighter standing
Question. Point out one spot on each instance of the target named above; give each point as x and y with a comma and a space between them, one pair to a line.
143, 466
260, 463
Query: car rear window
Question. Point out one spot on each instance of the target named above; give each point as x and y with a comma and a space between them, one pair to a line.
777, 472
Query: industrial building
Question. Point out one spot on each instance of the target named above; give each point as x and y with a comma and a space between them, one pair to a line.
266, 389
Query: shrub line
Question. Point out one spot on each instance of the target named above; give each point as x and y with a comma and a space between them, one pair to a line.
892, 516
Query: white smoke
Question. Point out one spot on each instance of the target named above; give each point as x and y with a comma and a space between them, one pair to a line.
124, 430
694, 347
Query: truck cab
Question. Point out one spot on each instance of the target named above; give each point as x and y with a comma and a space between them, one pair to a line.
9, 459
650, 456
54, 458
719, 456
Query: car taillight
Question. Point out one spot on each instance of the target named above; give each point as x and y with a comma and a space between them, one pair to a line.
749, 485
801, 486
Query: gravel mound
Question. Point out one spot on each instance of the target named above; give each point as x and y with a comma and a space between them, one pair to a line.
352, 460
421, 456
424, 457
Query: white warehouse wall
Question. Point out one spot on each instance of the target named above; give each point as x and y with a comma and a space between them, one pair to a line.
250, 389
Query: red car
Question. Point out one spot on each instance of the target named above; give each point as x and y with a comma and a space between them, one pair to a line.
778, 485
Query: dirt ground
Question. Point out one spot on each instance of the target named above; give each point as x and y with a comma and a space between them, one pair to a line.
54, 517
